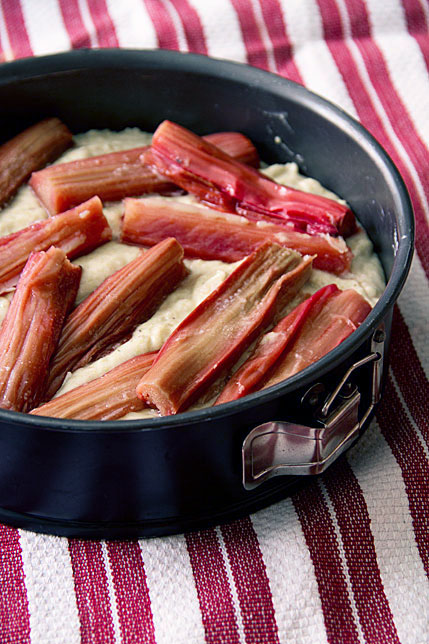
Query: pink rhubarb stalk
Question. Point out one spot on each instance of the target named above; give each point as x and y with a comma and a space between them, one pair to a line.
29, 334
110, 313
117, 175
309, 332
76, 232
203, 169
213, 336
30, 150
106, 398
209, 234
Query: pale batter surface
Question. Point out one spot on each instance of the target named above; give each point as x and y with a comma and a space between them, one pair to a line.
366, 274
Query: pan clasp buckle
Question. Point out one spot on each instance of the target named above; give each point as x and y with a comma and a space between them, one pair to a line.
281, 448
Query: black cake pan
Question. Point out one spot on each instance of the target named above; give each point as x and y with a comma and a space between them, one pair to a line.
152, 477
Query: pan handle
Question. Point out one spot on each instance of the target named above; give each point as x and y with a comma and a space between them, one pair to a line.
282, 448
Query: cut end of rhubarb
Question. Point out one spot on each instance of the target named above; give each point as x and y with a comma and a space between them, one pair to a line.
30, 150
154, 397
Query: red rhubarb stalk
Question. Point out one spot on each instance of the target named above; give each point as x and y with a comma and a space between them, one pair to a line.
209, 234
217, 331
30, 331
29, 151
110, 314
106, 398
309, 332
187, 160
76, 232
121, 174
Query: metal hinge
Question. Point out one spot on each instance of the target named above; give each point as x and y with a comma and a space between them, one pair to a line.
283, 448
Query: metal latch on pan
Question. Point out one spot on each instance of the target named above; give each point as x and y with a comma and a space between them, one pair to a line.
279, 448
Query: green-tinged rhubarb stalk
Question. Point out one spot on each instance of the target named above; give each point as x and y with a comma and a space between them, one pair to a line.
210, 234
29, 151
29, 333
309, 332
116, 175
214, 177
212, 337
108, 397
76, 232
110, 314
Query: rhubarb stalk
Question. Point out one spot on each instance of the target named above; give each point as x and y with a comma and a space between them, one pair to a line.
209, 234
76, 232
29, 151
309, 332
119, 174
213, 176
217, 331
106, 398
111, 312
30, 331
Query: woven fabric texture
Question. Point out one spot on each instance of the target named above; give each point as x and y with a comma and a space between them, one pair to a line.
347, 558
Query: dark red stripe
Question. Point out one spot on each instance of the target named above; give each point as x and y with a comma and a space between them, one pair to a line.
74, 24
131, 592
163, 24
106, 33
409, 373
92, 594
255, 48
192, 26
16, 29
410, 455
353, 521
368, 116
319, 533
14, 615
282, 48
251, 582
417, 26
213, 589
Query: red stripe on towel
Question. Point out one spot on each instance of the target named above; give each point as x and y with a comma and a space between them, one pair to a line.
92, 593
213, 589
411, 458
282, 48
163, 24
74, 24
131, 591
105, 29
14, 615
253, 42
192, 26
354, 524
333, 32
409, 374
16, 29
319, 533
251, 582
417, 26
